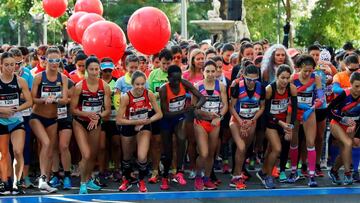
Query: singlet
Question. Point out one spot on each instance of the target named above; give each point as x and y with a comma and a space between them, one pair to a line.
279, 102
175, 102
213, 98
305, 95
138, 107
349, 107
91, 101
247, 106
10, 97
48, 88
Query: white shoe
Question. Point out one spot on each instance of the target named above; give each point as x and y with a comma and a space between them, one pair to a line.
44, 186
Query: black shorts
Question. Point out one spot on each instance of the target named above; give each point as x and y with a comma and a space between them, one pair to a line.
110, 128
261, 123
156, 127
276, 127
190, 116
8, 129
84, 123
320, 114
129, 130
64, 124
46, 122
225, 121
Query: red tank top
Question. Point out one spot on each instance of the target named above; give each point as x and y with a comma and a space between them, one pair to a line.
175, 102
138, 107
91, 101
279, 102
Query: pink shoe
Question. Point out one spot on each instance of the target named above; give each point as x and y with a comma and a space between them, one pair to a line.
179, 178
199, 184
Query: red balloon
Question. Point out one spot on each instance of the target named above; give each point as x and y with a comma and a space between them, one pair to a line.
149, 30
85, 21
71, 25
90, 6
104, 39
55, 8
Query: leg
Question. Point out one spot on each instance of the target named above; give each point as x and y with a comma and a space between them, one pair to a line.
93, 139
203, 149
18, 141
310, 133
346, 145
64, 142
127, 144
275, 143
4, 159
155, 151
212, 145
83, 143
143, 145
181, 145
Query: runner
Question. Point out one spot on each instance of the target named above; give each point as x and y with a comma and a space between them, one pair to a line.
133, 116
207, 123
279, 95
246, 106
344, 111
11, 122
48, 91
91, 103
173, 99
79, 74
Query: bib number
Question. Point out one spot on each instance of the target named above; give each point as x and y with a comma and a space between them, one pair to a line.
305, 98
48, 91
248, 110
92, 106
279, 106
62, 112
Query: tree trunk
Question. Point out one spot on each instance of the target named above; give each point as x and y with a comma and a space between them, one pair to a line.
287, 6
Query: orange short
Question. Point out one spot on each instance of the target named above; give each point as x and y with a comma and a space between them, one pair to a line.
344, 127
206, 125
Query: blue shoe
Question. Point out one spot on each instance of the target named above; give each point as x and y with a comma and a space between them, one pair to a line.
334, 177
67, 183
348, 180
54, 182
269, 182
312, 182
293, 177
92, 186
83, 189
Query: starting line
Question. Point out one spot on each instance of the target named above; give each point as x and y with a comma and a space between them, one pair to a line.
132, 196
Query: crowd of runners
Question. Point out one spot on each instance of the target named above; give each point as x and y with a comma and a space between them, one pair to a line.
190, 112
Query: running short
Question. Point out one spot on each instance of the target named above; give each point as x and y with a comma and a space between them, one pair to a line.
170, 123
84, 123
110, 128
64, 124
129, 130
276, 127
344, 127
46, 122
206, 125
8, 129
320, 114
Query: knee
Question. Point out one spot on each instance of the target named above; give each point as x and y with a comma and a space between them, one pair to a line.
276, 150
63, 147
348, 143
86, 155
18, 153
204, 154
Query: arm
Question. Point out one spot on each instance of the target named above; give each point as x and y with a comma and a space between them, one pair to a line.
293, 103
336, 85
34, 90
158, 114
320, 95
331, 109
26, 93
64, 98
201, 99
107, 101
224, 100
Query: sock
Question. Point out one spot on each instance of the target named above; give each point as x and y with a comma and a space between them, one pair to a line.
126, 169
67, 174
311, 160
293, 157
142, 170
355, 158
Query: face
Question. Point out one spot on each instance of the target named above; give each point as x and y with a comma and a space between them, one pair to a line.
355, 87
258, 49
199, 61
219, 69
8, 65
266, 46
250, 80
177, 57
174, 79
143, 66
53, 60
315, 54
210, 72
139, 85
234, 61
306, 71
42, 60
93, 70
280, 56
226, 56
80, 66
248, 53
210, 55
352, 67
132, 67
283, 79
204, 47
106, 73
165, 64
156, 62
18, 62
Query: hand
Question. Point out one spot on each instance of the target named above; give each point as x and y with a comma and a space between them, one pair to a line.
138, 128
214, 115
288, 135
351, 129
7, 112
93, 116
92, 125
50, 100
348, 122
215, 121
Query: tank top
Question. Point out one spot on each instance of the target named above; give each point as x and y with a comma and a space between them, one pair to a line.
247, 106
48, 88
350, 107
305, 93
279, 102
91, 101
175, 102
138, 107
213, 100
10, 98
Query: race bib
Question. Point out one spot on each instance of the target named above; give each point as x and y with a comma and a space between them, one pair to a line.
177, 104
248, 110
279, 106
212, 104
92, 106
62, 112
139, 114
305, 98
113, 115
47, 91
354, 118
9, 100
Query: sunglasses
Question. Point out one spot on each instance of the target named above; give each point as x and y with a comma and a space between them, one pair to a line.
54, 60
251, 79
107, 70
177, 57
19, 63
43, 58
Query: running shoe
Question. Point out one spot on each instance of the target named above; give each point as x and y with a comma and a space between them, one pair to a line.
67, 183
300, 175
293, 177
142, 186
179, 178
99, 180
245, 174
125, 185
153, 179
348, 180
282, 177
318, 172
240, 184
54, 181
4, 189
83, 189
209, 185
267, 181
192, 175
199, 184
91, 185
164, 184
18, 189
312, 182
44, 187
334, 177
234, 181
28, 183
275, 172
356, 177
226, 168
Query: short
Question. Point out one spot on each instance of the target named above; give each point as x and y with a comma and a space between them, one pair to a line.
155, 126
129, 130
64, 124
189, 116
46, 122
226, 120
276, 127
320, 114
8, 129
206, 125
344, 127
169, 124
84, 123
110, 128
